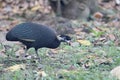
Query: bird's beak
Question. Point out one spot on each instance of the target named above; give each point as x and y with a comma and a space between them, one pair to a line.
68, 42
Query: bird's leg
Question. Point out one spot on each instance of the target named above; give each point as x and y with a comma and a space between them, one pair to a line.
39, 59
25, 53
40, 66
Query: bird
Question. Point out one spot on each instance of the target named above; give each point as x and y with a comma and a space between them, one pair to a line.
36, 36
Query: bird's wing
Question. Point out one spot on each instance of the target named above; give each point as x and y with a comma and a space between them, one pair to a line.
28, 40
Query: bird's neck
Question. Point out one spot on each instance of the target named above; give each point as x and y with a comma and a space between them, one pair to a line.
55, 44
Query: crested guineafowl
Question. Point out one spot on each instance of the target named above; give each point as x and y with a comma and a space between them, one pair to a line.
36, 36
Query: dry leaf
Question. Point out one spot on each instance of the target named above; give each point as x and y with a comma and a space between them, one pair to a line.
112, 37
15, 67
35, 8
2, 29
84, 42
117, 42
98, 15
53, 51
40, 74
1, 65
4, 16
20, 52
72, 67
2, 53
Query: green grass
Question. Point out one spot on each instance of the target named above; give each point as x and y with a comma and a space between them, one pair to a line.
57, 66
69, 63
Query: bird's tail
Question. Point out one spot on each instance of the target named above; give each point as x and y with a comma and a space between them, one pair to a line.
10, 37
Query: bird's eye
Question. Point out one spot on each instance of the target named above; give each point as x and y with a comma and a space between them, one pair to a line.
65, 37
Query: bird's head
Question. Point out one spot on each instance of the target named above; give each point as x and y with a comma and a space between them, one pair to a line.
64, 38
